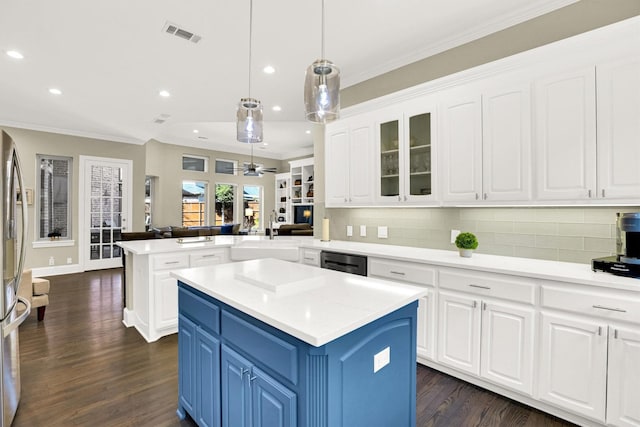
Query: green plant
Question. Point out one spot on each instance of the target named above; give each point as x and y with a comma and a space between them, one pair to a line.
466, 240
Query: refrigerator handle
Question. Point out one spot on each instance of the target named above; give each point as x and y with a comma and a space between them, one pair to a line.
25, 229
9, 327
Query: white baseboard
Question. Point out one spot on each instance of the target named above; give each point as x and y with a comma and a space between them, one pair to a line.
127, 318
57, 270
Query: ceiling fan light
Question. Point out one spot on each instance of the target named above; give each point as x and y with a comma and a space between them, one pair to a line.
249, 123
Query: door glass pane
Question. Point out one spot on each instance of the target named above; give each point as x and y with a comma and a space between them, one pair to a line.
420, 155
389, 159
106, 189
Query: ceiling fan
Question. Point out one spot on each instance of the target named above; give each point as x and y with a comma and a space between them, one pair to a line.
253, 169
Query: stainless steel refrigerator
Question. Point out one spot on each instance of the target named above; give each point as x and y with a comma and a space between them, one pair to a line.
13, 229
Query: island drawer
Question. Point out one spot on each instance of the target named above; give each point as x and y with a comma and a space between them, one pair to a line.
310, 257
276, 353
210, 257
486, 284
613, 304
203, 312
172, 261
402, 271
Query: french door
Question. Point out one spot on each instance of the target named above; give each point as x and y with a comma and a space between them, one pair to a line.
105, 210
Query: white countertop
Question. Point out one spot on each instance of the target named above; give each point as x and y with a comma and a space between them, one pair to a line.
309, 303
527, 267
156, 246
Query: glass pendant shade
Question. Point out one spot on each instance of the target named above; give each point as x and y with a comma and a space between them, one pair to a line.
322, 92
249, 123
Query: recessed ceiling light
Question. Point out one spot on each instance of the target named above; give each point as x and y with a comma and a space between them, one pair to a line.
269, 69
277, 108
196, 131
15, 54
164, 93
308, 132
55, 91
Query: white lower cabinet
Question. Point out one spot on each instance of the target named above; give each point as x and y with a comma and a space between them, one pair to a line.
166, 300
573, 364
590, 352
415, 274
486, 327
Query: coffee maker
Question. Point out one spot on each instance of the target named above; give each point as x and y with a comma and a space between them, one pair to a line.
626, 262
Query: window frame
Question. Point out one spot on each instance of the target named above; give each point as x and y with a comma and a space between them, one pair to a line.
233, 162
194, 156
42, 241
205, 209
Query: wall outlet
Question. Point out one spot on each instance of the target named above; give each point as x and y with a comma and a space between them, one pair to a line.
381, 359
454, 234
69, 260
383, 232
52, 261
363, 231
349, 230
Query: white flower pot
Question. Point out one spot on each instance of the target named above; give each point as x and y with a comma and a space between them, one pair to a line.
465, 253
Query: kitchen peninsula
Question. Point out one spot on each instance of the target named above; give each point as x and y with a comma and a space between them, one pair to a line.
288, 344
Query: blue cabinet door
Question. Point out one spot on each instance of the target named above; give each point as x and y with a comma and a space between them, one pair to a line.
272, 404
186, 367
207, 373
235, 392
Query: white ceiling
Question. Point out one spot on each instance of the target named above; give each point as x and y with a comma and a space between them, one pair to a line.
111, 58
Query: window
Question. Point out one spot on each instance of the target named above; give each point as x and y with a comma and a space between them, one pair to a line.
225, 203
54, 201
195, 163
227, 167
252, 206
194, 203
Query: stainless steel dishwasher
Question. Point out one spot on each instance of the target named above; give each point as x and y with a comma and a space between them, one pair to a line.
348, 263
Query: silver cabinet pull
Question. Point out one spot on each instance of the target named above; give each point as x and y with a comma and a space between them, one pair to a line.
243, 371
171, 262
615, 334
485, 196
479, 286
309, 259
603, 192
484, 306
600, 330
602, 307
209, 256
475, 304
345, 199
252, 378
589, 194
477, 197
399, 273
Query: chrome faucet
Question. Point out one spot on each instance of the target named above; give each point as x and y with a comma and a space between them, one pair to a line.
272, 216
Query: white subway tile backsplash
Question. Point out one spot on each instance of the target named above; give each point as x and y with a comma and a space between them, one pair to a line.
560, 242
584, 230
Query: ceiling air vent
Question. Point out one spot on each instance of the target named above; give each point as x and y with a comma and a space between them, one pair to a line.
161, 118
175, 30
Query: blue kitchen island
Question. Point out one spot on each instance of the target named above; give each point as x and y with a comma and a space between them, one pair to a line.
272, 343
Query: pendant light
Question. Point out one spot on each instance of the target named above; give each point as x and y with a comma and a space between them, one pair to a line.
322, 88
249, 125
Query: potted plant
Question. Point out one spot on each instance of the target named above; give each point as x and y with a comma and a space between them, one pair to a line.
466, 242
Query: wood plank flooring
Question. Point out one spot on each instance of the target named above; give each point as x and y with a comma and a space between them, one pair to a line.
82, 367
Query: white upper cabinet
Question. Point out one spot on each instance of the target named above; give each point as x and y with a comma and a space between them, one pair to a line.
486, 139
404, 141
461, 144
618, 86
565, 135
349, 162
506, 144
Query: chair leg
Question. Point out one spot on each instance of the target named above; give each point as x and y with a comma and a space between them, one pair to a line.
41, 312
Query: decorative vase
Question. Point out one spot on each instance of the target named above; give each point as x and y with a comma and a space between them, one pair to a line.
465, 253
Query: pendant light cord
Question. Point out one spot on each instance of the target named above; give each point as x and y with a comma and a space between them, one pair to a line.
322, 33
250, 38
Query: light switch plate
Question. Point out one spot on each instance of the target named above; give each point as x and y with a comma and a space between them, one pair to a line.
349, 230
383, 232
381, 359
363, 231
454, 234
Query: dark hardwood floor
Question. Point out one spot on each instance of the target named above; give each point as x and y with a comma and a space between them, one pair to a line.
82, 367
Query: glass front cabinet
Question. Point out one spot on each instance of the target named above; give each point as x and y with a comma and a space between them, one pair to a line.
405, 164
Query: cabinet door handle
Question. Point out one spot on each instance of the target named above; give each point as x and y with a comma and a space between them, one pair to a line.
477, 197
475, 304
485, 196
479, 286
600, 330
589, 193
252, 378
603, 192
345, 199
243, 371
601, 307
399, 273
171, 262
209, 256
484, 306
615, 334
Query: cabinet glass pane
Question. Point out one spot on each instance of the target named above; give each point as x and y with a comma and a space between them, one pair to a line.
420, 155
389, 159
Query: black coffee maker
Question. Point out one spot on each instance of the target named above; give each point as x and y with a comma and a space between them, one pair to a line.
628, 237
627, 260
